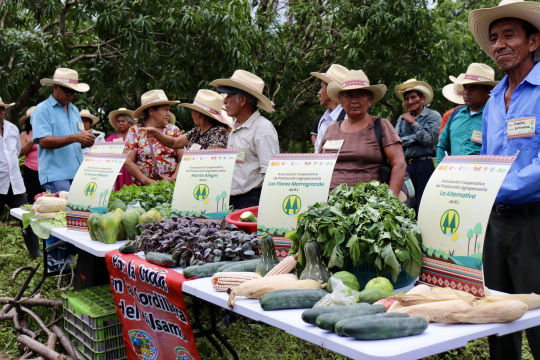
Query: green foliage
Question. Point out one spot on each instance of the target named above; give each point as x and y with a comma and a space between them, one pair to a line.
477, 229
148, 197
470, 233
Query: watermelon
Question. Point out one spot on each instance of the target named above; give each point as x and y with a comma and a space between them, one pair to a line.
348, 279
380, 283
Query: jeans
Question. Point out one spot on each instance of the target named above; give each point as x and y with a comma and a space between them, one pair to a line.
56, 186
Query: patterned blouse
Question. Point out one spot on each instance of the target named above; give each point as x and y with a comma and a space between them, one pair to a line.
165, 157
217, 135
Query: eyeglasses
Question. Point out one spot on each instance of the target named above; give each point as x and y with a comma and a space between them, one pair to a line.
68, 91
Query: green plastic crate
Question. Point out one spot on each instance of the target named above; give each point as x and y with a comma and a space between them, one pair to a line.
112, 354
109, 340
94, 334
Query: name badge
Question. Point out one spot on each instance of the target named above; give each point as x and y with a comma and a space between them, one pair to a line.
333, 144
241, 156
521, 128
476, 137
81, 126
195, 147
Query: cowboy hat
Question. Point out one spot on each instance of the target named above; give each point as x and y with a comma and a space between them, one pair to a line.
86, 114
414, 85
335, 73
248, 83
27, 116
355, 79
454, 92
5, 106
67, 78
209, 103
481, 19
150, 99
121, 111
479, 74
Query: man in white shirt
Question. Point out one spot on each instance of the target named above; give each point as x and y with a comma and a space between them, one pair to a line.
89, 120
334, 112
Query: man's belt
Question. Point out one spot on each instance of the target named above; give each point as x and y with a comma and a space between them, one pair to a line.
518, 210
412, 161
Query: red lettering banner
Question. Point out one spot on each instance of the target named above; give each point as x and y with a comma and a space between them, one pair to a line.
151, 307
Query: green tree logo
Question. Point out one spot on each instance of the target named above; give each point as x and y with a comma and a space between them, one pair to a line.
201, 192
450, 222
90, 189
291, 205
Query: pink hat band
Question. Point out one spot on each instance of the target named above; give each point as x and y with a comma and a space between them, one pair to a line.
69, 81
476, 78
457, 92
355, 82
246, 84
207, 108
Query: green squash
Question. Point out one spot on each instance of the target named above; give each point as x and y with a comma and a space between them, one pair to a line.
95, 227
269, 257
315, 268
109, 227
130, 219
93, 236
117, 204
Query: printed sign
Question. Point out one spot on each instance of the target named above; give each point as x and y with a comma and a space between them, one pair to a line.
151, 307
333, 144
292, 183
453, 216
203, 184
522, 127
109, 147
92, 187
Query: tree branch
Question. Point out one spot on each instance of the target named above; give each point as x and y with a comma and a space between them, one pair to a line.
128, 103
93, 45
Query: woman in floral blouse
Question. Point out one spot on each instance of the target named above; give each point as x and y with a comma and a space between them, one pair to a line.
144, 167
211, 131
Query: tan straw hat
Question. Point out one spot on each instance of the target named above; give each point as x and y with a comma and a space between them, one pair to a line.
172, 119
480, 74
5, 106
454, 92
355, 79
121, 111
249, 83
150, 99
210, 103
481, 19
414, 85
335, 73
27, 116
86, 114
67, 78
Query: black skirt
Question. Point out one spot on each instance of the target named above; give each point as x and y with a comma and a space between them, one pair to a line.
31, 183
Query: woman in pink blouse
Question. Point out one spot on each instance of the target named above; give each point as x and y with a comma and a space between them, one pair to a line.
121, 120
30, 152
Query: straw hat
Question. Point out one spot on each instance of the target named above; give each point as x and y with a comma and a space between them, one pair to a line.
454, 92
209, 103
86, 114
335, 73
246, 82
355, 79
5, 106
481, 19
67, 78
413, 84
27, 116
480, 74
150, 99
172, 119
121, 111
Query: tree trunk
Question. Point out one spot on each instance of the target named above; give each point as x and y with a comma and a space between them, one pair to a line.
12, 113
305, 136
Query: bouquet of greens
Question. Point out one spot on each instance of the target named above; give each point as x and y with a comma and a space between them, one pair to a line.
362, 223
149, 197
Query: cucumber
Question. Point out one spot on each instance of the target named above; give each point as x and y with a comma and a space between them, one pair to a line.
328, 321
204, 270
310, 315
291, 299
165, 260
340, 324
234, 263
128, 248
379, 329
244, 266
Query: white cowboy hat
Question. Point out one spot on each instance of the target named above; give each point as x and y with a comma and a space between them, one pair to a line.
414, 85
454, 92
67, 78
356, 79
247, 83
121, 111
150, 99
480, 74
86, 114
481, 19
27, 116
5, 106
210, 103
335, 73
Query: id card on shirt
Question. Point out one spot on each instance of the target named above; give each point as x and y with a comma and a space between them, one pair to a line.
118, 140
241, 156
195, 147
476, 137
522, 127
333, 144
81, 126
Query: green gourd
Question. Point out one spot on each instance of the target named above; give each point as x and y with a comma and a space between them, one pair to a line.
315, 268
95, 227
269, 257
130, 218
93, 236
109, 227
117, 204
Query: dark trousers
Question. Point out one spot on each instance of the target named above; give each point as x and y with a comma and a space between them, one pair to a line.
249, 199
511, 257
11, 200
420, 173
31, 183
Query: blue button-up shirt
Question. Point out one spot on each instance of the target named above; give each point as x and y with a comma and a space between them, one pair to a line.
420, 138
521, 185
50, 119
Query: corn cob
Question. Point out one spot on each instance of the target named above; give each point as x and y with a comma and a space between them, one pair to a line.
284, 267
531, 300
225, 281
430, 310
249, 287
495, 312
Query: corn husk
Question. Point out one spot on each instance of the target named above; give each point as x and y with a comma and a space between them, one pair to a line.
420, 289
470, 298
250, 287
287, 285
531, 300
417, 299
495, 312
430, 310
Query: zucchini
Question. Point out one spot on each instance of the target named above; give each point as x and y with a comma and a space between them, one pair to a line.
204, 270
165, 260
291, 299
128, 248
340, 324
244, 266
328, 321
379, 329
310, 315
234, 263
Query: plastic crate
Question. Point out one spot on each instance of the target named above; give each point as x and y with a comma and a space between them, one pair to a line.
112, 354
110, 338
94, 334
366, 272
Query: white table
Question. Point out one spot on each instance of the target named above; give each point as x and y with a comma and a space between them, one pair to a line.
82, 241
17, 213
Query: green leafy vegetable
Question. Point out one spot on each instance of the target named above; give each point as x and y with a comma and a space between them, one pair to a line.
149, 197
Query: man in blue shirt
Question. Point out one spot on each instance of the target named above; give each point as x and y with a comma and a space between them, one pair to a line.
59, 132
509, 34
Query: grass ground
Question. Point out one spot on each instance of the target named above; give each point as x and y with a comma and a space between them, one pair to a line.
251, 341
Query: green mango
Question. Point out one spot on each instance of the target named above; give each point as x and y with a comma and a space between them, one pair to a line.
117, 204
109, 227
130, 220
95, 227
89, 225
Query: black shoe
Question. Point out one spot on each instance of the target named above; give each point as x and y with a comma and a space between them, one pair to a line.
32, 243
